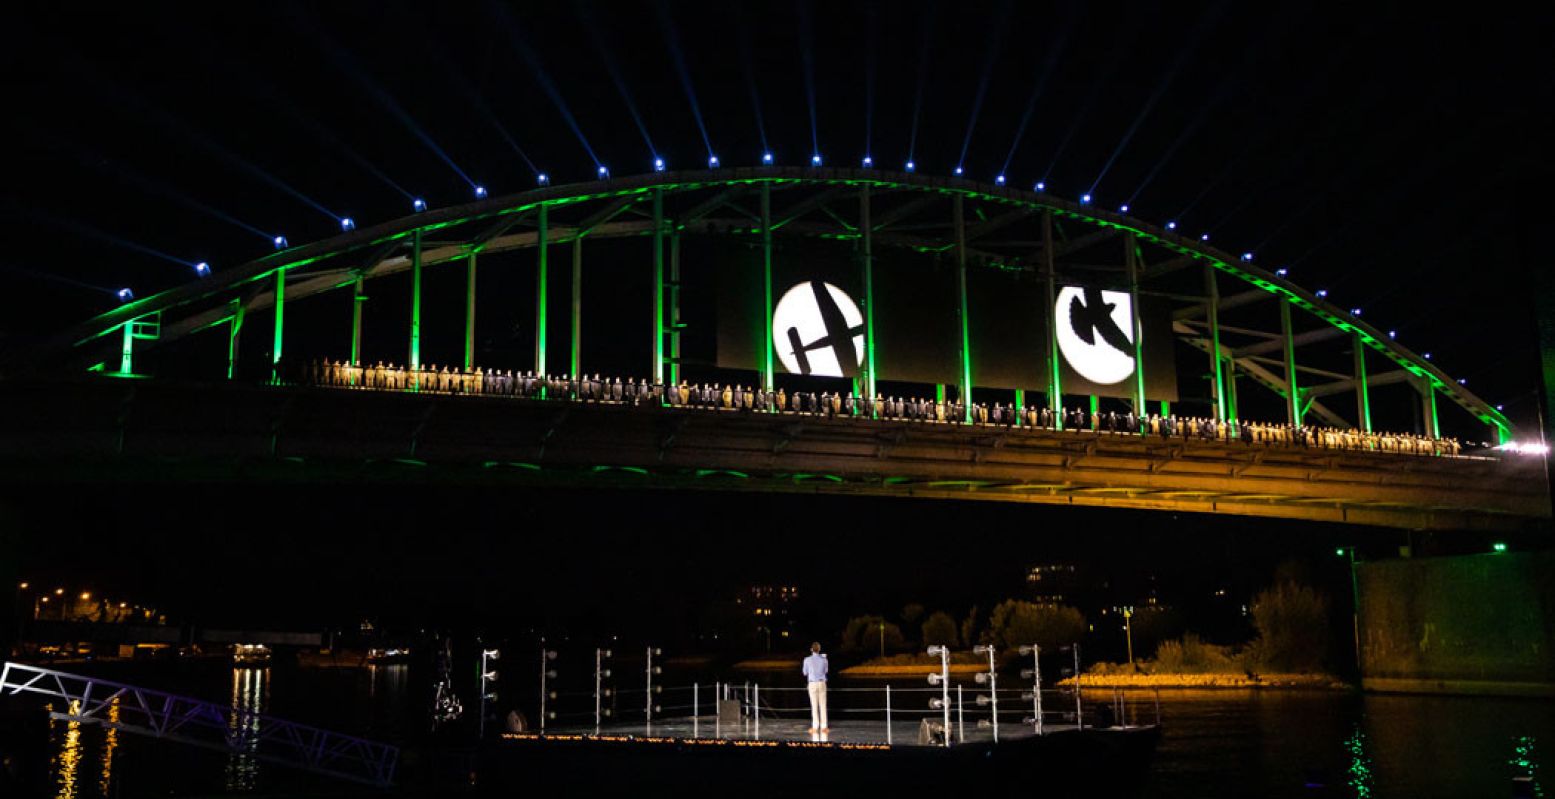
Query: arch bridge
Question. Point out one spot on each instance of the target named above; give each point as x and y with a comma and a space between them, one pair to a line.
1254, 327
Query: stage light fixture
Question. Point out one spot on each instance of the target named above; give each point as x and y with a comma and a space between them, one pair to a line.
658, 164
766, 159
815, 160
347, 223
280, 242
958, 170
1085, 198
1428, 356
1392, 334
202, 269
1204, 237
1463, 381
1039, 187
911, 166
1282, 271
712, 162
418, 205
998, 180
543, 179
1322, 292
1247, 256
1171, 225
480, 192
125, 295
868, 162
603, 172
1355, 312
1123, 209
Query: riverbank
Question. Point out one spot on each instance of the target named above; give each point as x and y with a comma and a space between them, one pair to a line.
1147, 681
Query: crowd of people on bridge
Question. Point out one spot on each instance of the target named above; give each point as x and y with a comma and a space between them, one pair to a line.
830, 404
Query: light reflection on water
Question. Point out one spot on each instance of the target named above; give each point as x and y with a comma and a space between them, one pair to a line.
67, 759
250, 695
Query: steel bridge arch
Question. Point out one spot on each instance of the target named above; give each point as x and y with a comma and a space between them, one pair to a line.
379, 244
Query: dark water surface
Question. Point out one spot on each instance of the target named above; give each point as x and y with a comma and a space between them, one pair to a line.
1215, 744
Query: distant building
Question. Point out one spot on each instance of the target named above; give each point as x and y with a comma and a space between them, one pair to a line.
1057, 584
771, 609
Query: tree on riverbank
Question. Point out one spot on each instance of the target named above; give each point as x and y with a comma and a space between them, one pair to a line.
1015, 623
1292, 625
940, 628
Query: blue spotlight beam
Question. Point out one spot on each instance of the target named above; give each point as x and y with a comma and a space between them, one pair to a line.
1055, 50
1121, 45
1205, 24
991, 54
532, 59
343, 62
473, 97
750, 75
869, 81
586, 16
69, 281
923, 78
672, 38
82, 229
807, 61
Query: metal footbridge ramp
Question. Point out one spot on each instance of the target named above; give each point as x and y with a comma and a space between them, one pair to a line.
206, 724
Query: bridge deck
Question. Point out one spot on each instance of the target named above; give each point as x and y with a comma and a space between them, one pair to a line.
109, 428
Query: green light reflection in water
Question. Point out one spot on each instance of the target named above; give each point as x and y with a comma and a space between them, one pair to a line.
1525, 765
1360, 775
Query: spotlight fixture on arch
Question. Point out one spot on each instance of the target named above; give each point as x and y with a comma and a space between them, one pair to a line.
1204, 237
1085, 199
280, 242
998, 180
1171, 225
1355, 312
911, 166
1123, 209
124, 295
1392, 334
958, 170
658, 164
347, 224
815, 160
603, 171
712, 161
480, 192
202, 269
543, 179
418, 205
1247, 256
868, 162
1040, 186
1282, 271
766, 159
1322, 292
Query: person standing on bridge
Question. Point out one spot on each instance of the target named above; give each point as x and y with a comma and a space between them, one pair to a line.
815, 674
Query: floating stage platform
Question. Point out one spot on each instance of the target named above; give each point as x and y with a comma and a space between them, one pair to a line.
781, 757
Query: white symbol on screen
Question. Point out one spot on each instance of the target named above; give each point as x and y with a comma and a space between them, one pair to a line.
812, 324
1096, 333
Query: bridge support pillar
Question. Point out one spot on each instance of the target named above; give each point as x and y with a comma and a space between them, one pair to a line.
543, 244
1362, 391
674, 310
765, 364
958, 222
280, 325
866, 244
1212, 311
1055, 391
234, 331
1292, 390
576, 361
127, 349
1131, 266
357, 298
658, 286
1428, 408
415, 302
469, 313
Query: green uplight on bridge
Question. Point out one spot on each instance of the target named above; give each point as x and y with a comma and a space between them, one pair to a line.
1499, 546
1339, 551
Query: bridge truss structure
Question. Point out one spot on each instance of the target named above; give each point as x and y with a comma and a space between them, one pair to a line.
970, 224
204, 724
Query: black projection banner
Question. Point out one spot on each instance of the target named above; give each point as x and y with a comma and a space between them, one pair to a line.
818, 323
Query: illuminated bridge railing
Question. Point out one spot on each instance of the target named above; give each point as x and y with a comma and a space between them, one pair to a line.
206, 724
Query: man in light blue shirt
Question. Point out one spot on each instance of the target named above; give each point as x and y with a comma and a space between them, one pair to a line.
815, 673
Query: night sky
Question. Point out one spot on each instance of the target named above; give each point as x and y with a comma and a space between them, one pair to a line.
1394, 157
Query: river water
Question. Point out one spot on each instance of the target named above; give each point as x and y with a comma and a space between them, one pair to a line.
1215, 745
